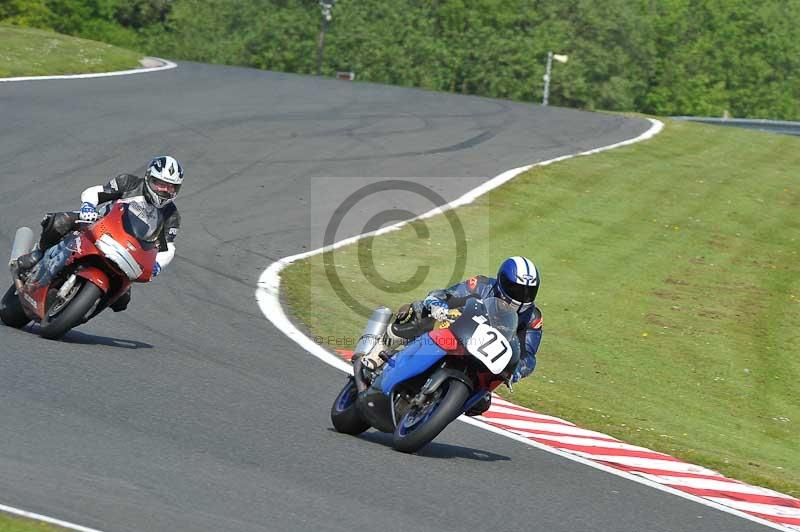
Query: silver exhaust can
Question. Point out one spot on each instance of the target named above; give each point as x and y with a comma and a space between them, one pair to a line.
24, 241
374, 331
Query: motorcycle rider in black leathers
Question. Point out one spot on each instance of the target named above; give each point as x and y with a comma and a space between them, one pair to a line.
517, 283
154, 193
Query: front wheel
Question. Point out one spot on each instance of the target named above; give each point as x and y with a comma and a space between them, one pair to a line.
69, 313
421, 424
344, 414
11, 312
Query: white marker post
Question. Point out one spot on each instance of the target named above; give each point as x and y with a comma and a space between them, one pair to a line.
550, 56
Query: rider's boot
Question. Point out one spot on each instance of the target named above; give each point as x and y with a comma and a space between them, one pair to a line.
481, 406
25, 263
381, 351
376, 356
122, 303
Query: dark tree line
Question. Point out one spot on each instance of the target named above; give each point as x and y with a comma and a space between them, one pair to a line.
694, 57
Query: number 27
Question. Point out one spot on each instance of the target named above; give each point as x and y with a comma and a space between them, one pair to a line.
482, 349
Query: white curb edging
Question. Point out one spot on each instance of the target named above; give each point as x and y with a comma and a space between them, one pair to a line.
166, 65
268, 297
44, 518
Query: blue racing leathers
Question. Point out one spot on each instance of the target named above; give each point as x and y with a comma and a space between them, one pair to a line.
529, 330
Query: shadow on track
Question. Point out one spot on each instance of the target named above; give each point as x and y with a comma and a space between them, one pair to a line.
438, 450
79, 338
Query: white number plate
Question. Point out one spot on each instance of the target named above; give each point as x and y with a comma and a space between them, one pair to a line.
490, 347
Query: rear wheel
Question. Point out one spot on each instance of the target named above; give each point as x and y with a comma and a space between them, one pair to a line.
344, 414
65, 314
422, 423
11, 312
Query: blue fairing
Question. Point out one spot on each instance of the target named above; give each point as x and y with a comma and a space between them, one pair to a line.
417, 357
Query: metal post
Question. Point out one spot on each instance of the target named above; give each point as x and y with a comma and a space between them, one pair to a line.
547, 77
321, 46
326, 18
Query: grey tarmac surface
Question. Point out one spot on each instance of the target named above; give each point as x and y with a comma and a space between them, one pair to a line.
190, 412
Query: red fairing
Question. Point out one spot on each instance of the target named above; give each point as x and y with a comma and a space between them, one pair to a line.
92, 264
95, 276
489, 381
112, 225
445, 339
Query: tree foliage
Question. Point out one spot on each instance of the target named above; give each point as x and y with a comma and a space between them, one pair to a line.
695, 57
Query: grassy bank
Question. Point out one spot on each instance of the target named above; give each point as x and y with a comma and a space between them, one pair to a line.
30, 52
10, 523
671, 292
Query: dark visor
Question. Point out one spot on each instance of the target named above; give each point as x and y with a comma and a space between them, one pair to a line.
518, 292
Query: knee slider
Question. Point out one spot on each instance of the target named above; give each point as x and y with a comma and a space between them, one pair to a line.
122, 303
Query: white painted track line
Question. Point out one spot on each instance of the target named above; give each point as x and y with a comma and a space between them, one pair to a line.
44, 518
166, 65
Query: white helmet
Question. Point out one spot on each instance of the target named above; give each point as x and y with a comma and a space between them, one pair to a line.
162, 180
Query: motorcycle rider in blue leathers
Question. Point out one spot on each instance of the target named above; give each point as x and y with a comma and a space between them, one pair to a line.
517, 283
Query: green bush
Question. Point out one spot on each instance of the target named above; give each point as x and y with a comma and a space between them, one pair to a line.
697, 57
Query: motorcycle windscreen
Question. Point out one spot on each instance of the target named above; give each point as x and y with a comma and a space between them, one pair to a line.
501, 316
487, 329
142, 221
416, 358
493, 311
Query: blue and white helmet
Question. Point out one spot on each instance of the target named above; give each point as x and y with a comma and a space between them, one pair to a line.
518, 282
162, 180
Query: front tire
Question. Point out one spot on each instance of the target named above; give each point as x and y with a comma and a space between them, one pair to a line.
344, 414
11, 311
56, 325
420, 425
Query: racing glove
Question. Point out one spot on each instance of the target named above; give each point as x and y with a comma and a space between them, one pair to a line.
438, 310
88, 212
405, 313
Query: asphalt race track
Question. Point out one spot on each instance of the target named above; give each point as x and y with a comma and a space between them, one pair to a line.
190, 412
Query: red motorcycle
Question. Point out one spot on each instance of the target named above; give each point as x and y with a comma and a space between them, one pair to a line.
86, 272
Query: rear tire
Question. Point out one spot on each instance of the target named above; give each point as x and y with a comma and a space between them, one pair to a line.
11, 311
344, 414
419, 426
54, 327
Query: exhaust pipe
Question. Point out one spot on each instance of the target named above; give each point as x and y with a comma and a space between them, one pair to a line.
24, 241
375, 329
373, 334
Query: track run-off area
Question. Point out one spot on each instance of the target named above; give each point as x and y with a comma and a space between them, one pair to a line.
192, 412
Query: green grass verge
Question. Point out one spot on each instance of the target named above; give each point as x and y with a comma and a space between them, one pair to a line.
671, 292
10, 523
31, 52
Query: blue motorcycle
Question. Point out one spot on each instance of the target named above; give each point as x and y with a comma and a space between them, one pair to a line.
434, 379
